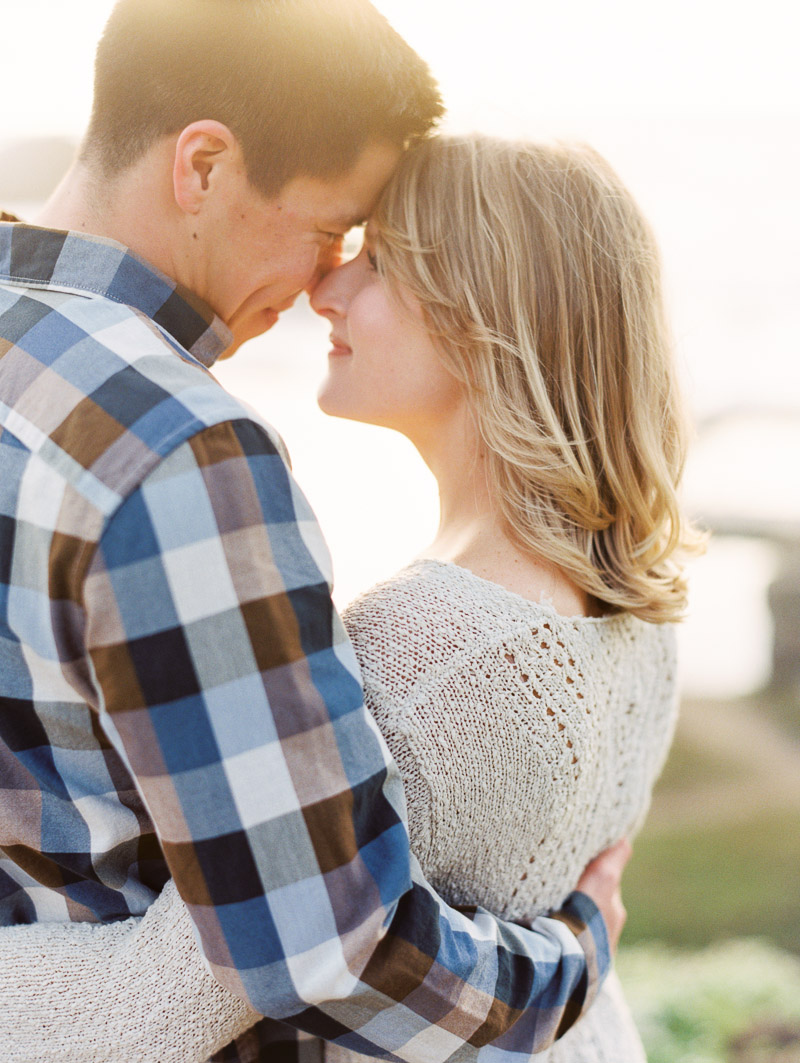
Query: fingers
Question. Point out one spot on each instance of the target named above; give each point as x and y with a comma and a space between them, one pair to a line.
606, 869
612, 861
601, 881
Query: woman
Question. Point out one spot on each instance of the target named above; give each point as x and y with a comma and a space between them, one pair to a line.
504, 314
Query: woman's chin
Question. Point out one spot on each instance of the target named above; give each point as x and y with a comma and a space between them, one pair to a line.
334, 405
327, 402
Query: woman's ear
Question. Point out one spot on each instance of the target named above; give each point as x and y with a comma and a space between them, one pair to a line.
206, 154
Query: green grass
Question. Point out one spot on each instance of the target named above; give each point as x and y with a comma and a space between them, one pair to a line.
693, 887
736, 876
686, 763
694, 890
695, 1006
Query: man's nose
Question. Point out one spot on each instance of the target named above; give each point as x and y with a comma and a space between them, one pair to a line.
319, 294
329, 258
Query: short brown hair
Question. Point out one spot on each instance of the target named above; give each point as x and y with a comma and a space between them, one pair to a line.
304, 85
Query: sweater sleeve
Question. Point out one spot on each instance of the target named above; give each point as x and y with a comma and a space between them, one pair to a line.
133, 990
114, 992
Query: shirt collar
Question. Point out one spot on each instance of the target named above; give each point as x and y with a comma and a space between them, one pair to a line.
79, 262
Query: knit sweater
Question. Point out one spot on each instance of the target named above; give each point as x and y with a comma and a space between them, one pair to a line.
527, 742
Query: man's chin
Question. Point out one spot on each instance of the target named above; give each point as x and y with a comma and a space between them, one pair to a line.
255, 325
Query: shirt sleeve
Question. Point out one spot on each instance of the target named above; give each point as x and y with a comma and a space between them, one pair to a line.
226, 681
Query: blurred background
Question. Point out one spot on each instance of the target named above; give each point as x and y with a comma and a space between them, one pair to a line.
697, 105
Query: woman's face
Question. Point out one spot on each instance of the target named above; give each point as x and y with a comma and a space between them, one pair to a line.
383, 367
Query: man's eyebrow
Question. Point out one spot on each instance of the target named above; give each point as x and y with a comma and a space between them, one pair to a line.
351, 221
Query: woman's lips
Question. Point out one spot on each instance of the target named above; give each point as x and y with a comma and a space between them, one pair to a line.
338, 349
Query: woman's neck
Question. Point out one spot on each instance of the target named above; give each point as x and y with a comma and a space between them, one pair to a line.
467, 508
473, 532
468, 512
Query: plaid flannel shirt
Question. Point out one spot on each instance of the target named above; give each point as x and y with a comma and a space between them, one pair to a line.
178, 695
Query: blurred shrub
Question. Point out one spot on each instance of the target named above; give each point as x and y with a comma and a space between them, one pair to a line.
734, 1002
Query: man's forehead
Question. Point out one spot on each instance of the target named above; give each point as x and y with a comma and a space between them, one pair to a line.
328, 206
354, 195
350, 208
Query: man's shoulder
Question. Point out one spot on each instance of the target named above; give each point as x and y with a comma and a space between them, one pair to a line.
99, 392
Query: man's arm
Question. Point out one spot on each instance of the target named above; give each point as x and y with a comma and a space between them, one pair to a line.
227, 683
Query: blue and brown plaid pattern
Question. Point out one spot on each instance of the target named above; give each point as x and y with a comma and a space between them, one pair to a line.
178, 695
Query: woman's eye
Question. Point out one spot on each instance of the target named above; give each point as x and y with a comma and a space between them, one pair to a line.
373, 261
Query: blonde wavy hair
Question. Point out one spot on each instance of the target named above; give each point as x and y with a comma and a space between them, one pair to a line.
539, 280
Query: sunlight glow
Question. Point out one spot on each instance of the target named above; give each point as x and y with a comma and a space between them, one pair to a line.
505, 67
695, 102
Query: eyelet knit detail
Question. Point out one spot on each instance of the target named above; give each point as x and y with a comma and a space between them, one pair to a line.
527, 742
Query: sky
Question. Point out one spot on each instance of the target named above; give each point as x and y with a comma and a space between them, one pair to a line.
506, 66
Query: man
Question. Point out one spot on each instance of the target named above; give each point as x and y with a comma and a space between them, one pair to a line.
178, 694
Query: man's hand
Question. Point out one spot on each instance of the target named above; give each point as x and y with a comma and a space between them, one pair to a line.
601, 881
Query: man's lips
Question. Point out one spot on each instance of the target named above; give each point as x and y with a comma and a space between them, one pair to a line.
274, 312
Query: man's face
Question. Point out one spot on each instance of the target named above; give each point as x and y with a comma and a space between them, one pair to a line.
264, 252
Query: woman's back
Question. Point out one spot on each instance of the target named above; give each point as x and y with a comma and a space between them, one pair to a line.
527, 742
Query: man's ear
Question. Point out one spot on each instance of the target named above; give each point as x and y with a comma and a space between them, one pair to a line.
205, 154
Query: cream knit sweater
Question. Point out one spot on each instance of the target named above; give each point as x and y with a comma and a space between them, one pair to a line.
527, 742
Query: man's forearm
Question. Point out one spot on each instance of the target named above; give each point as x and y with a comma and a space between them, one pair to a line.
237, 706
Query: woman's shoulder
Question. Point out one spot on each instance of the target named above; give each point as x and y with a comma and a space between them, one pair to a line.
429, 588
415, 615
429, 592
430, 613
